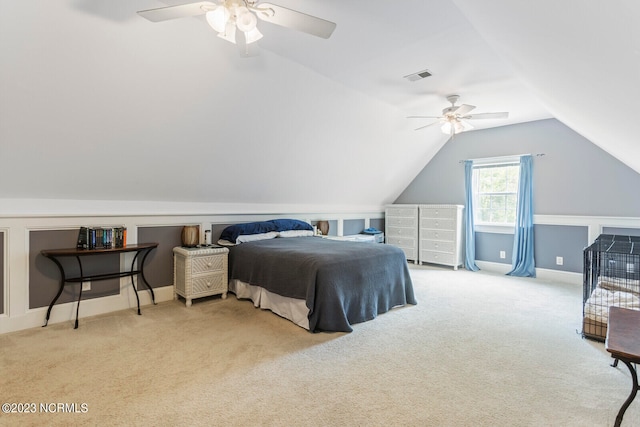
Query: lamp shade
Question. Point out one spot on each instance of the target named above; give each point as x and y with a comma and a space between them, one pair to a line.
253, 35
245, 20
218, 18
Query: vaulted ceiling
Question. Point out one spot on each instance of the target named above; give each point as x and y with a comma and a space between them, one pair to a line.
98, 103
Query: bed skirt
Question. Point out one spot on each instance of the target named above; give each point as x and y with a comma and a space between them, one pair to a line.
292, 309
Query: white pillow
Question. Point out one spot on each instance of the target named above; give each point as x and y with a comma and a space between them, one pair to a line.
296, 233
253, 237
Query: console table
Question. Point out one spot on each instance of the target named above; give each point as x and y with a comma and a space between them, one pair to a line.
623, 342
55, 255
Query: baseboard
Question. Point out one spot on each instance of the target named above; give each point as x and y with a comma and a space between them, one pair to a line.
541, 273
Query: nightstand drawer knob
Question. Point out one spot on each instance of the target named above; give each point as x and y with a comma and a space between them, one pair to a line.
209, 265
209, 284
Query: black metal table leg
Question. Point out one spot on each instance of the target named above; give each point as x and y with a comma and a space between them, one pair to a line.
634, 391
144, 279
62, 282
80, 293
133, 284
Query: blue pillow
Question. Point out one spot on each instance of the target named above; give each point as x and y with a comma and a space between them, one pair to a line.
232, 232
290, 224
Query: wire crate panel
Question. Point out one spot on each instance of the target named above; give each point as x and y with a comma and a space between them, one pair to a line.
611, 278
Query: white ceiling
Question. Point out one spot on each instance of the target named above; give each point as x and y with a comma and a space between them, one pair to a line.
99, 103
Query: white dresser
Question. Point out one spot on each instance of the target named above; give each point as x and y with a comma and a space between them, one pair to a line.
440, 234
200, 272
401, 229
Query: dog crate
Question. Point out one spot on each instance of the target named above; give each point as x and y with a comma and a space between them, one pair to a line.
611, 278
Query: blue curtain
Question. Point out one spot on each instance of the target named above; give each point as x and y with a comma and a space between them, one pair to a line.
469, 231
523, 262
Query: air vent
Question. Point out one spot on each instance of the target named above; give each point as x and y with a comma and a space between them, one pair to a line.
418, 76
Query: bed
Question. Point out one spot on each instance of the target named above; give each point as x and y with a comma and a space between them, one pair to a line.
319, 284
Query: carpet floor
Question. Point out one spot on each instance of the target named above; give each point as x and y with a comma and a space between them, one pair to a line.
479, 349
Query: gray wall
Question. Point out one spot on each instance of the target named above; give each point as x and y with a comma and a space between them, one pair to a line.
158, 268
574, 177
44, 276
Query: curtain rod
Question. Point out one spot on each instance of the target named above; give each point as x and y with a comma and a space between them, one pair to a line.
492, 159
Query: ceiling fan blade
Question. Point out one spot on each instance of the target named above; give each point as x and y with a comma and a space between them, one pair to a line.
426, 126
466, 126
295, 20
502, 115
463, 109
180, 11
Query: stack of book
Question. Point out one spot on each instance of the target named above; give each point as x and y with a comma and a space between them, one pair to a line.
102, 237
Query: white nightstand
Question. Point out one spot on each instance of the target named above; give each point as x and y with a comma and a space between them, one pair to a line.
200, 272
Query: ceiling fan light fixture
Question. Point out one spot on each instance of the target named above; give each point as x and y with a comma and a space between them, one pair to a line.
253, 35
245, 20
229, 32
218, 18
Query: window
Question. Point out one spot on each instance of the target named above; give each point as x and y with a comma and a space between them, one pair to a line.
495, 193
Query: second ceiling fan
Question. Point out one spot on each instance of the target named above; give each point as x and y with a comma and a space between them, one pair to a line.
454, 118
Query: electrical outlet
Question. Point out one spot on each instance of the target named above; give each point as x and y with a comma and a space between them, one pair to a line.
559, 260
503, 254
86, 286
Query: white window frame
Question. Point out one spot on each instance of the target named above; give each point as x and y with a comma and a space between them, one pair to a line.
507, 228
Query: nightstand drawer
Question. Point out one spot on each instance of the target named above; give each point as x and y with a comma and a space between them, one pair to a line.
209, 283
207, 264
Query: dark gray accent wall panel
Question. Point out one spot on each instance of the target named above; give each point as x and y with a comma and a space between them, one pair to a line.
489, 245
564, 241
2, 269
377, 223
352, 226
44, 276
575, 177
158, 268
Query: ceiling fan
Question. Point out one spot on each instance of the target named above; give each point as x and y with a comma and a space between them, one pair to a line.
236, 20
454, 118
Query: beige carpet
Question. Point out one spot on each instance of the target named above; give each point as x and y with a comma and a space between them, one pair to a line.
478, 350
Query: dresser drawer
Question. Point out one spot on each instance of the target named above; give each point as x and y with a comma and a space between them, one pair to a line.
402, 232
438, 213
402, 242
207, 264
401, 211
210, 283
402, 222
436, 257
440, 224
437, 245
444, 235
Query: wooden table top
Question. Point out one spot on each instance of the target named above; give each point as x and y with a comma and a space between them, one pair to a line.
623, 334
76, 251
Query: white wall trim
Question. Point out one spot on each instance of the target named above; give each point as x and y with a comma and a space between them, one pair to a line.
541, 273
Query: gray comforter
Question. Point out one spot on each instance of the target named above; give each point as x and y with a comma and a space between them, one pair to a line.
342, 282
